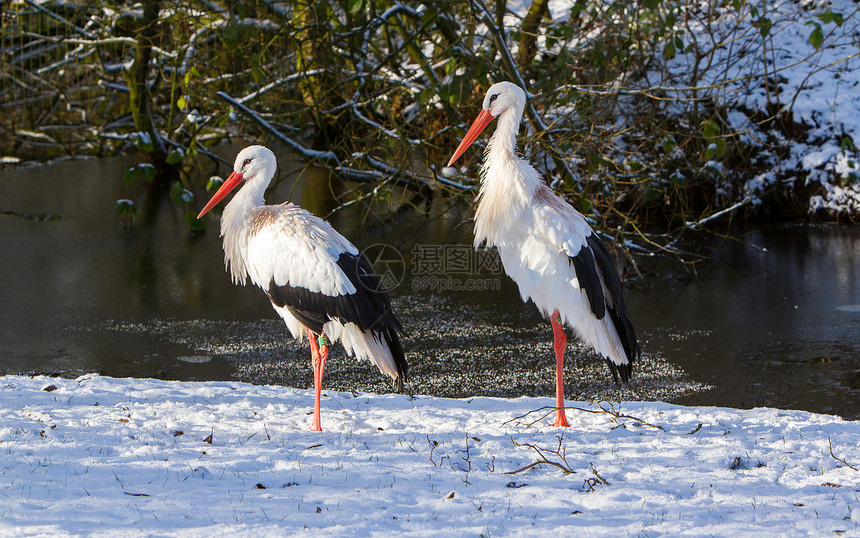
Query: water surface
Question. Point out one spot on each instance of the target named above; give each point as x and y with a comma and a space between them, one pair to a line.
772, 320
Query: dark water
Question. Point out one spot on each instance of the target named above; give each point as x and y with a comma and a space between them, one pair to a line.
772, 320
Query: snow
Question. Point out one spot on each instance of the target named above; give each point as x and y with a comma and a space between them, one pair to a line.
108, 456
817, 86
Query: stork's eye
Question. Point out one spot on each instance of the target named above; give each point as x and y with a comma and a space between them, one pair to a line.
246, 162
494, 97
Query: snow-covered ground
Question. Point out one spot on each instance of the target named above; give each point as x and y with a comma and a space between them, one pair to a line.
109, 456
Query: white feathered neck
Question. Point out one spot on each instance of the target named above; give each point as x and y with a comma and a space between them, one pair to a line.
508, 182
237, 221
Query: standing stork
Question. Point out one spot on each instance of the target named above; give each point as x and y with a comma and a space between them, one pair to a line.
546, 246
317, 281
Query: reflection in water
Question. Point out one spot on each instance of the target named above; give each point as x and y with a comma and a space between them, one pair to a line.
771, 321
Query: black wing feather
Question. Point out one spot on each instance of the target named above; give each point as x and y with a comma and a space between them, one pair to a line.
586, 273
369, 308
594, 257
618, 310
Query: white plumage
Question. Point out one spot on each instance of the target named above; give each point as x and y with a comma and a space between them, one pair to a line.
317, 280
546, 246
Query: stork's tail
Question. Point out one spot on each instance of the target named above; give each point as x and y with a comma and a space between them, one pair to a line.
396, 352
380, 346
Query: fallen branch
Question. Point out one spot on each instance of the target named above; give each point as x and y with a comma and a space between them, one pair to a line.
840, 460
589, 483
696, 224
96, 42
611, 412
57, 17
616, 415
559, 452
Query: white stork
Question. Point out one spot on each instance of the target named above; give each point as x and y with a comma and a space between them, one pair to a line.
317, 280
546, 246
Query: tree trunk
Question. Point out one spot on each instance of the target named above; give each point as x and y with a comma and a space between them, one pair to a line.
529, 32
140, 99
311, 18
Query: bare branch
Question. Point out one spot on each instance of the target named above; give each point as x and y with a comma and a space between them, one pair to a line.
840, 460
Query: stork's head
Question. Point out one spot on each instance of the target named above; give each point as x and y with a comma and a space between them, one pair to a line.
501, 97
254, 163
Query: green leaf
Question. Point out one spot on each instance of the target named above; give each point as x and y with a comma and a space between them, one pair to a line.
355, 6
669, 144
429, 16
584, 205
764, 25
383, 195
710, 129
126, 207
716, 149
191, 73
182, 103
829, 16
130, 175
174, 157
147, 172
670, 21
816, 37
144, 144
669, 51
214, 183
652, 194
176, 190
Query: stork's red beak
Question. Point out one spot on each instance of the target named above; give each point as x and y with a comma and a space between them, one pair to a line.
232, 180
483, 119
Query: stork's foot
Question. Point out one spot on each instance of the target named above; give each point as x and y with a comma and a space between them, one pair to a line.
561, 419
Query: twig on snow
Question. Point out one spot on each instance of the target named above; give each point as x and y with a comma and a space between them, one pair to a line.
543, 458
611, 412
840, 460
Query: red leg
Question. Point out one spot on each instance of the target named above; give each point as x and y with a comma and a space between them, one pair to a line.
559, 342
319, 354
